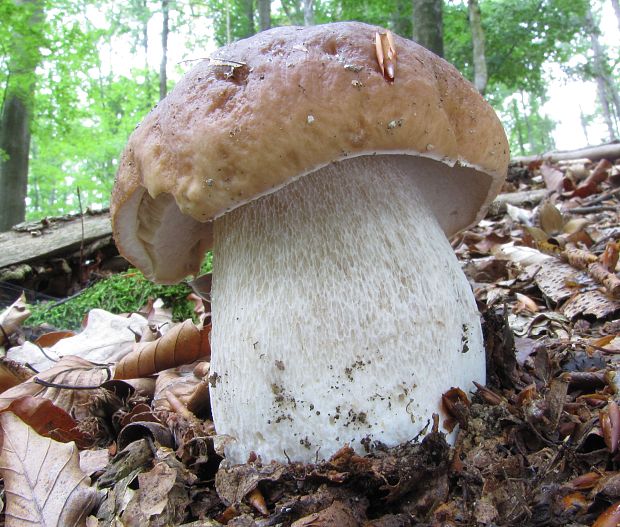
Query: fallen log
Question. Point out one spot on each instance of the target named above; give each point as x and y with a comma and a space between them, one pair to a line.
610, 151
52, 236
54, 257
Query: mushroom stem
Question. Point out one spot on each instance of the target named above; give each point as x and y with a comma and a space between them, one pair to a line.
340, 315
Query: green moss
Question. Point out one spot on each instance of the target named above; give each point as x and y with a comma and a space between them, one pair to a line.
122, 293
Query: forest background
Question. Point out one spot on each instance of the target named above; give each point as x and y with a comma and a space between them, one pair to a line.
77, 76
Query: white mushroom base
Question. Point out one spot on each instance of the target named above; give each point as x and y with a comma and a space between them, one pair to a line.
340, 315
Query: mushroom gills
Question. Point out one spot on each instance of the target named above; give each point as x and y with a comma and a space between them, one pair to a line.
340, 314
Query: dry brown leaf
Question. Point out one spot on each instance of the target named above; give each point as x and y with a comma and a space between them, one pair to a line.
590, 185
336, 514
47, 340
610, 517
550, 218
69, 385
525, 303
182, 344
609, 258
553, 178
12, 317
43, 482
12, 373
47, 419
183, 382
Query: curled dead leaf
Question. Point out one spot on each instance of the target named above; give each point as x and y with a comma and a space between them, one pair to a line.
12, 373
610, 517
182, 344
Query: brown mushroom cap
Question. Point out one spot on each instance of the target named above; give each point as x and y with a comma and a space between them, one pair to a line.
281, 104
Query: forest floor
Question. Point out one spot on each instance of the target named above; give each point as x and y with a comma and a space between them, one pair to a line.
538, 445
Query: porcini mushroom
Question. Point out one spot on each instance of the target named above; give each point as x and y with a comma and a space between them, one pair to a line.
326, 190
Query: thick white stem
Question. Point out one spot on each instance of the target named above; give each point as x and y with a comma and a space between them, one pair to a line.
340, 315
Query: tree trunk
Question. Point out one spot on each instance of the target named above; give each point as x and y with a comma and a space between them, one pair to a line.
477, 37
533, 145
616, 5
401, 20
145, 46
517, 118
16, 114
308, 12
606, 90
584, 124
264, 14
163, 78
249, 13
428, 24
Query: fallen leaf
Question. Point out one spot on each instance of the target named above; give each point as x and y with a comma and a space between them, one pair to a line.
186, 383
336, 514
590, 185
12, 373
12, 317
42, 478
610, 517
47, 340
106, 338
69, 385
182, 344
525, 303
550, 218
94, 460
47, 419
553, 178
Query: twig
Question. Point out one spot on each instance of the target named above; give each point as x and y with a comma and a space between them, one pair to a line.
79, 195
595, 208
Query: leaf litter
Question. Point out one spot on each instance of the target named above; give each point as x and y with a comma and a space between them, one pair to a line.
538, 445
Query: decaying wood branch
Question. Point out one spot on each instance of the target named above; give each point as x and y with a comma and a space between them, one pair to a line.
609, 151
51, 236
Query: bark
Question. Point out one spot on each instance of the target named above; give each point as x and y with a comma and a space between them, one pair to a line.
609, 151
517, 118
528, 125
145, 47
293, 11
264, 14
308, 12
163, 78
584, 124
56, 236
249, 13
401, 22
605, 86
428, 24
15, 118
477, 36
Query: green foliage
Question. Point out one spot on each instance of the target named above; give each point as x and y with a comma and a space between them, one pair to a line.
520, 36
87, 101
123, 293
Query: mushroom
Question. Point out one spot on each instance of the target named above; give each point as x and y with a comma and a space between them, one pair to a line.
326, 191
